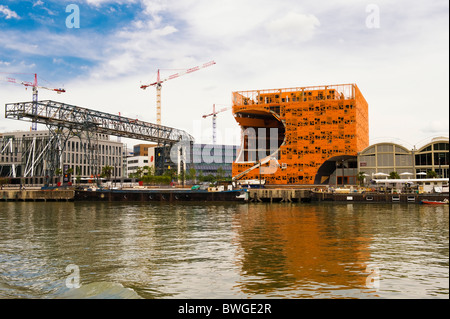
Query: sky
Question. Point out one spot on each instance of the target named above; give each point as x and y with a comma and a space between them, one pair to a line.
397, 52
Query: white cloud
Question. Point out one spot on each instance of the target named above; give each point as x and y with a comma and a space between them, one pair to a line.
43, 43
224, 22
38, 3
154, 9
293, 27
164, 31
435, 126
8, 12
9, 40
98, 3
265, 44
401, 68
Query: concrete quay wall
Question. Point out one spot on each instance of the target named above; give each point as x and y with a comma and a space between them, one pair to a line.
37, 195
378, 197
306, 196
272, 195
279, 195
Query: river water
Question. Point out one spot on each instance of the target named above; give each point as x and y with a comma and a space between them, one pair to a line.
223, 251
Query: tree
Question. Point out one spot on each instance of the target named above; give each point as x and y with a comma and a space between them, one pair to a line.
68, 175
220, 174
78, 173
394, 175
58, 172
107, 171
147, 170
361, 176
191, 174
150, 170
431, 174
138, 174
170, 172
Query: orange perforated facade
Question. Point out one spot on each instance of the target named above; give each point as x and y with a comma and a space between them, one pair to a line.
300, 128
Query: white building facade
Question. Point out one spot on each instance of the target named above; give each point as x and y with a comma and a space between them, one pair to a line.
24, 154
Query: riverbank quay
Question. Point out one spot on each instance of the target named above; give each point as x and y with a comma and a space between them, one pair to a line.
378, 197
161, 195
308, 196
35, 195
280, 195
272, 195
130, 195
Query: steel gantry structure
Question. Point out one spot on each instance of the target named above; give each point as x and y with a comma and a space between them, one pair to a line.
67, 116
65, 121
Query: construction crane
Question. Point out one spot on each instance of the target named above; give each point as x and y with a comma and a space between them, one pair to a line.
35, 87
159, 82
214, 119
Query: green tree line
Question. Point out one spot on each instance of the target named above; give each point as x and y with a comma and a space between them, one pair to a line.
147, 175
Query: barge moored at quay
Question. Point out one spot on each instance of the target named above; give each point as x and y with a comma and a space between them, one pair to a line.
168, 195
243, 195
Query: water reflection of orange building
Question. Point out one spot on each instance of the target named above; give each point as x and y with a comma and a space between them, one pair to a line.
304, 249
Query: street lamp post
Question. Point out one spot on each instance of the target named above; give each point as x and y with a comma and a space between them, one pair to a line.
440, 169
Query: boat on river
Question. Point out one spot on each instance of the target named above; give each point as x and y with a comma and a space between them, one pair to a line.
435, 202
162, 195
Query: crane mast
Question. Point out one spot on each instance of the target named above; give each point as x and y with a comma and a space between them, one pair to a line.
158, 100
158, 85
214, 120
35, 87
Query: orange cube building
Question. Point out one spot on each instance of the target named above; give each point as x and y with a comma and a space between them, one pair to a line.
295, 135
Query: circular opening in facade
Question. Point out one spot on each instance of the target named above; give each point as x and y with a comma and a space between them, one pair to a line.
263, 133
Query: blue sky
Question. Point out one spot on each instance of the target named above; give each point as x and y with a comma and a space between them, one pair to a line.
42, 24
257, 44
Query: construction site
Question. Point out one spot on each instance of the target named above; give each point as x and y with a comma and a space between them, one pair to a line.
77, 138
299, 137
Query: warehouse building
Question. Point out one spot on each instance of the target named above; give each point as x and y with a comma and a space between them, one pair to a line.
379, 160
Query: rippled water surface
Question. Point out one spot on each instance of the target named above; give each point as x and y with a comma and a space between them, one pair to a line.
141, 250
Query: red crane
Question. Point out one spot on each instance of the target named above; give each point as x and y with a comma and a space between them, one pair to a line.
214, 119
159, 82
35, 87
